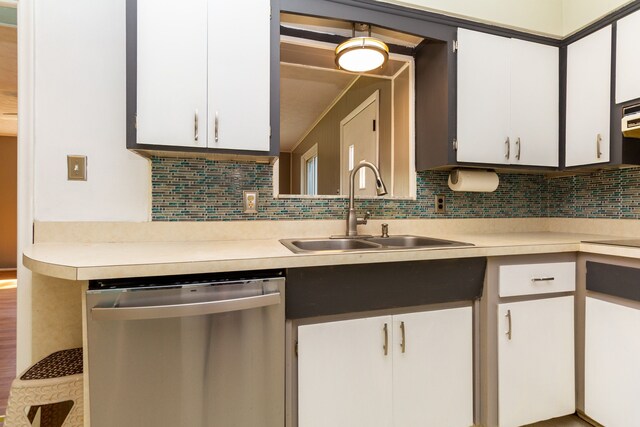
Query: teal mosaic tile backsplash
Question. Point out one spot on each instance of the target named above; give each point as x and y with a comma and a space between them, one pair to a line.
186, 189
207, 190
613, 194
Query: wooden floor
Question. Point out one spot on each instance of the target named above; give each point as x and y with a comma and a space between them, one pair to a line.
570, 421
7, 339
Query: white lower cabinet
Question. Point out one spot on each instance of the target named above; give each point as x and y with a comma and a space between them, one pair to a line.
433, 372
612, 368
536, 378
403, 370
344, 377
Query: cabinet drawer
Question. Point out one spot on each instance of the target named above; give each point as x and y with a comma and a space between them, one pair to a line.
529, 279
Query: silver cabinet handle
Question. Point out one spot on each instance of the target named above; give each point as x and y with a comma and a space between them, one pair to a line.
183, 310
543, 279
385, 347
215, 127
598, 145
518, 145
508, 316
403, 343
195, 126
507, 149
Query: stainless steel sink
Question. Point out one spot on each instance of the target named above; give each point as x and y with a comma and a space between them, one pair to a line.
414, 242
323, 245
367, 243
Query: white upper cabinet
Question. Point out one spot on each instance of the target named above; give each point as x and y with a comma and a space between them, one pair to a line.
239, 78
507, 101
483, 98
627, 58
202, 80
172, 73
535, 99
589, 99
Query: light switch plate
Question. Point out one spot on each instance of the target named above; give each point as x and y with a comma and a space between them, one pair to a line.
250, 201
77, 168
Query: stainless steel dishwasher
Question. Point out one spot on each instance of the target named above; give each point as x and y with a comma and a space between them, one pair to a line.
192, 351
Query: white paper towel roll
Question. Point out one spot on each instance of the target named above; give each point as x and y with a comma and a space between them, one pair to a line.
473, 180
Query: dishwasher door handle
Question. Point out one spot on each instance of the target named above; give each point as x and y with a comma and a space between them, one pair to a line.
183, 310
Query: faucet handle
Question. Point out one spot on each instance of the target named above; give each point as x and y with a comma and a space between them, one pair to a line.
385, 230
363, 221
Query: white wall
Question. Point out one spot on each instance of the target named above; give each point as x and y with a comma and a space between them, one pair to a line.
536, 16
79, 102
72, 101
556, 18
576, 14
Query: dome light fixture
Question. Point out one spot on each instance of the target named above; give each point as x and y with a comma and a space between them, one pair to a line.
360, 54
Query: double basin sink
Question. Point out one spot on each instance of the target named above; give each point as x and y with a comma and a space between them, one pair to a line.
367, 244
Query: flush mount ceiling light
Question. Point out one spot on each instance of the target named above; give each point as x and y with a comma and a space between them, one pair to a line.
360, 54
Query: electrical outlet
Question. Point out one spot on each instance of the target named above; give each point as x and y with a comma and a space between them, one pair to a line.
440, 205
76, 168
250, 201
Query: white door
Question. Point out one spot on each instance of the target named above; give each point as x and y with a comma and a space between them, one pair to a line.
588, 99
239, 82
534, 104
483, 98
433, 371
536, 379
172, 73
358, 143
627, 58
344, 375
612, 372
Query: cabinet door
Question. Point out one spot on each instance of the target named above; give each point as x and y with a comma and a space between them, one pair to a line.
536, 362
433, 371
172, 73
239, 82
627, 58
483, 98
612, 372
534, 104
589, 99
344, 376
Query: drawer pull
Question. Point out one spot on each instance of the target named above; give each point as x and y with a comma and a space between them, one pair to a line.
385, 347
543, 279
215, 128
195, 127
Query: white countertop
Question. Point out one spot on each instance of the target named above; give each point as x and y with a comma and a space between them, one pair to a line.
85, 261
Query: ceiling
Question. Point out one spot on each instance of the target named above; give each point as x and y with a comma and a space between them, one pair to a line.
309, 80
344, 28
305, 93
8, 79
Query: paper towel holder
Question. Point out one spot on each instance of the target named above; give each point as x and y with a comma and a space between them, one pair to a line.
453, 176
455, 173
473, 180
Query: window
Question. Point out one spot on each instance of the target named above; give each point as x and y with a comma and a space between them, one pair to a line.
309, 178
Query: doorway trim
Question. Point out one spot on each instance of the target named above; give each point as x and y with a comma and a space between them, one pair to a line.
375, 97
26, 147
